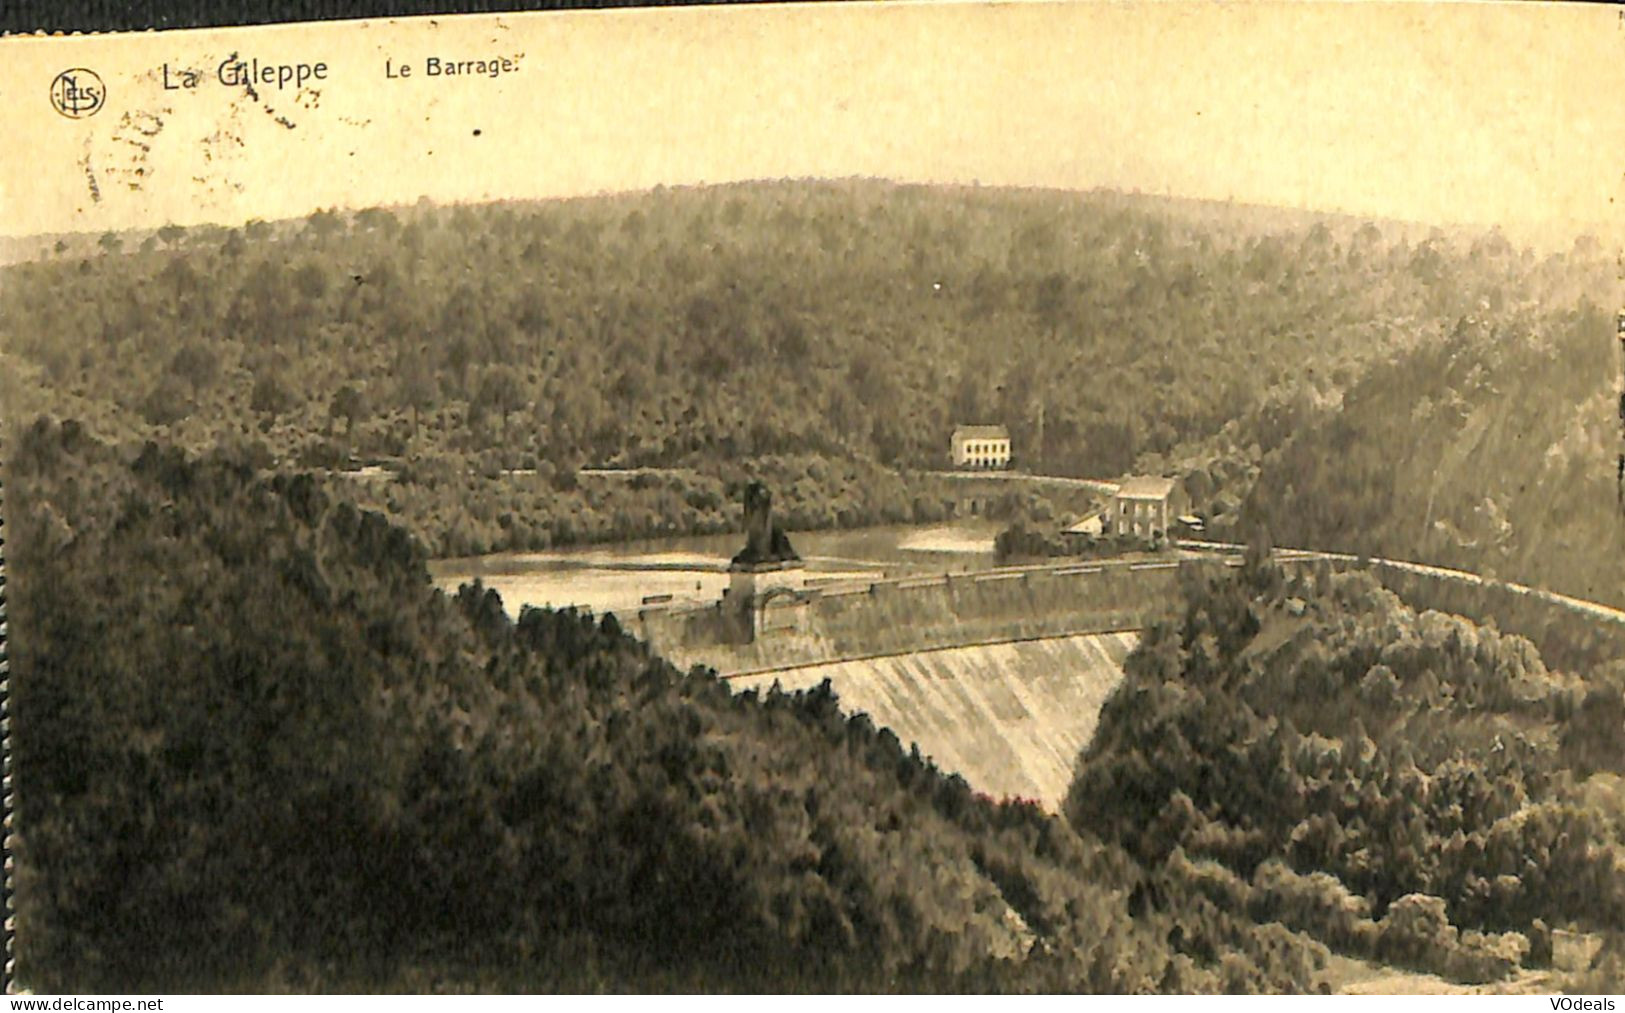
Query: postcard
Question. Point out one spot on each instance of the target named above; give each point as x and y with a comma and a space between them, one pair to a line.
923, 497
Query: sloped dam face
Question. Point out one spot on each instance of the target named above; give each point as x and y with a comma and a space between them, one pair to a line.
1011, 718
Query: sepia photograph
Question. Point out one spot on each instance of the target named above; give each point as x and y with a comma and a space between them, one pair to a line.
937, 497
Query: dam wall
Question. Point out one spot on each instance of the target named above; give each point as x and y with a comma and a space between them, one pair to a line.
1010, 718
890, 617
849, 622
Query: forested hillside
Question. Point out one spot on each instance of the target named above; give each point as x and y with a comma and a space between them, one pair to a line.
824, 334
1507, 434
257, 750
1405, 787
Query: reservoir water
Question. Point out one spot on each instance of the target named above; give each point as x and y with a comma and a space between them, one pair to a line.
620, 576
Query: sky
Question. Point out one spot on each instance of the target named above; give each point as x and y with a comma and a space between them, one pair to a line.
1450, 113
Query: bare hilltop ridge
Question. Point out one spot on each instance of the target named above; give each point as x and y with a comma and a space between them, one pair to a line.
1227, 214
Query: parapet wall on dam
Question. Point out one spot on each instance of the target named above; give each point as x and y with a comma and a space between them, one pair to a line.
916, 614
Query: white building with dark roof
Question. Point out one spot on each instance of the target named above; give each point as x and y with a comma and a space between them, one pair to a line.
1145, 506
981, 447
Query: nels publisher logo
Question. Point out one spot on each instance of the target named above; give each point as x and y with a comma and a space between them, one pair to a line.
78, 93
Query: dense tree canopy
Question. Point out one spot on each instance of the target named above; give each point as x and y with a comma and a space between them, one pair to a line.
1508, 469
1303, 747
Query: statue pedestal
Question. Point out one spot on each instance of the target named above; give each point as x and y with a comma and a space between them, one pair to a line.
749, 583
756, 589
